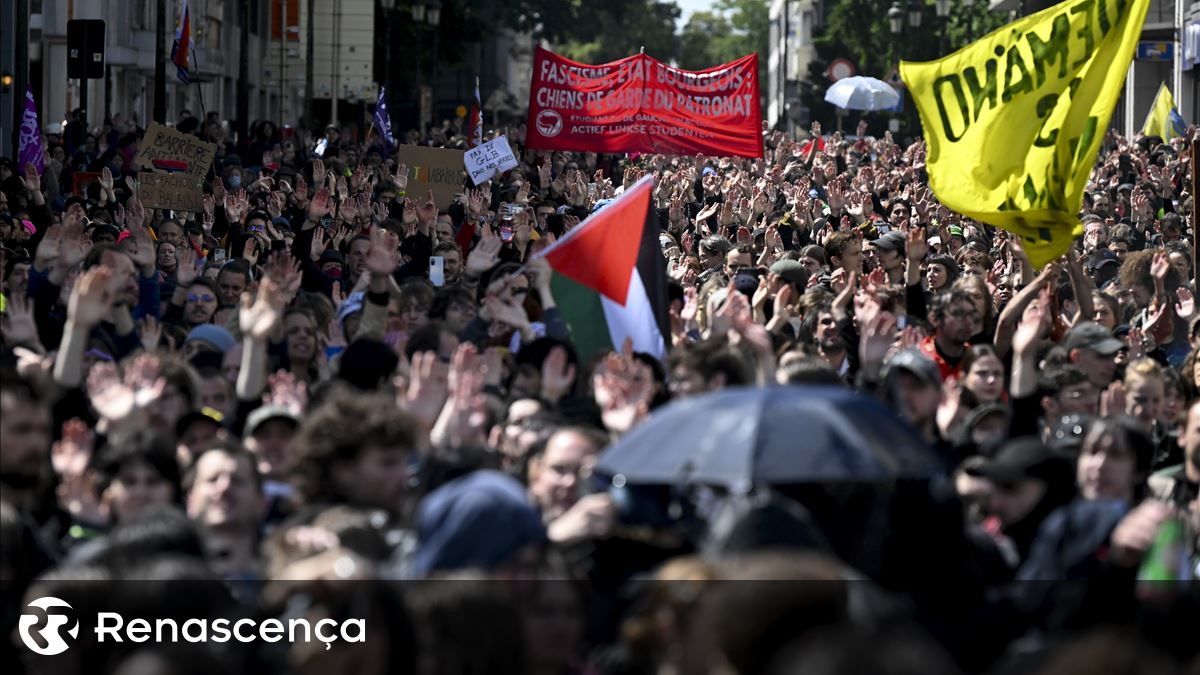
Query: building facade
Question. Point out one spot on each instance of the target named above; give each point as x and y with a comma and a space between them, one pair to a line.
1168, 52
793, 24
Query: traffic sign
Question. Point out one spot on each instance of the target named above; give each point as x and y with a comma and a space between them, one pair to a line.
839, 69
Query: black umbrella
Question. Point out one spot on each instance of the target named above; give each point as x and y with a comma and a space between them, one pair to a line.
744, 436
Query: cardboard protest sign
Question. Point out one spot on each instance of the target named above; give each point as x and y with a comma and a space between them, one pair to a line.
487, 160
177, 191
640, 104
166, 149
434, 169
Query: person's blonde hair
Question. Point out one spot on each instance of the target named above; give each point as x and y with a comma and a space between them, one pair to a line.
1143, 369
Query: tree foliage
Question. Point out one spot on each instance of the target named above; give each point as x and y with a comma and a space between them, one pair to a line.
732, 30
859, 30
596, 32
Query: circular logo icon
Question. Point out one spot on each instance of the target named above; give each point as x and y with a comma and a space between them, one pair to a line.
50, 632
549, 123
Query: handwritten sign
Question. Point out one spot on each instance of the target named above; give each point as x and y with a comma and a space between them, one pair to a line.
166, 149
489, 159
177, 191
434, 169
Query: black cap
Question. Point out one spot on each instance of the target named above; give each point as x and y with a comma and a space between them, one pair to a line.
892, 241
1020, 458
913, 361
1093, 336
1101, 258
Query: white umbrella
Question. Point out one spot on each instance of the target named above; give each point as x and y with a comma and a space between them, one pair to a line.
862, 93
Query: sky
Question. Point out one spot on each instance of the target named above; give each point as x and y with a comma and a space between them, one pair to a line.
689, 6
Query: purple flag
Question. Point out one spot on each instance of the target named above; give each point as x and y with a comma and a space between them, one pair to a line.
31, 150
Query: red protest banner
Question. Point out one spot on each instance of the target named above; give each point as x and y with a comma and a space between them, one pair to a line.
640, 104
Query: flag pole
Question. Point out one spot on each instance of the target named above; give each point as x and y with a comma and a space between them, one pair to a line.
1195, 160
199, 89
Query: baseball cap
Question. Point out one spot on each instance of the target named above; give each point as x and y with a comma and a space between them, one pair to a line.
1020, 458
955, 231
746, 284
792, 271
215, 335
102, 229
205, 414
913, 361
981, 413
332, 255
892, 241
265, 414
1101, 258
1093, 336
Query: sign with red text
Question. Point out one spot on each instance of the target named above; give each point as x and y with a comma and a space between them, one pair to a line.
640, 104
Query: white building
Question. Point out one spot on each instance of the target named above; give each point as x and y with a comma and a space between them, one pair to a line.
1169, 51
343, 30
793, 23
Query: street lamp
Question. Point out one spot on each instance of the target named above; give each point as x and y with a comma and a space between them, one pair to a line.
433, 16
914, 13
896, 18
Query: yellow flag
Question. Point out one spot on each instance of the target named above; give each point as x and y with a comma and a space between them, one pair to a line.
1014, 120
1164, 119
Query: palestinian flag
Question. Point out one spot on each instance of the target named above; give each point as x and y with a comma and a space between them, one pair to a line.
610, 278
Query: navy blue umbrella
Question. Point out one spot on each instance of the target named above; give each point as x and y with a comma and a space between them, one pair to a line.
745, 436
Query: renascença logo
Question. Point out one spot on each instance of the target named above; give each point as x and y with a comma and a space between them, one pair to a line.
51, 633
111, 626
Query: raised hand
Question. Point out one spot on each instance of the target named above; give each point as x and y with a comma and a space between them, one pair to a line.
1029, 332
1112, 400
319, 244
1160, 266
878, 336
50, 247
143, 253
283, 389
149, 332
318, 172
558, 376
31, 180
17, 324
185, 266
76, 491
1186, 306
257, 317
424, 395
250, 250
623, 388
384, 255
320, 206
427, 211
300, 192
92, 298
510, 313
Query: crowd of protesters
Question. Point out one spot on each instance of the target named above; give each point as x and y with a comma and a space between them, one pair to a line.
271, 388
